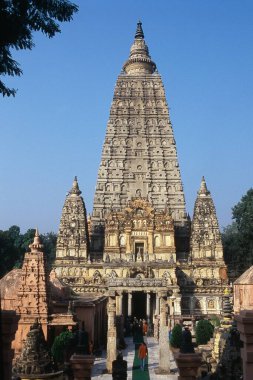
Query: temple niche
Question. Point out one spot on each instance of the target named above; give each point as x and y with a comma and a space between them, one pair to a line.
139, 233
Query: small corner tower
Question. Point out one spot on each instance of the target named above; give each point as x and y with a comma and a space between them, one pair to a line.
205, 243
73, 240
32, 292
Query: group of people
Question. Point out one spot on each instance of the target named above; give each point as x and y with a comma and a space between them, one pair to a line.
139, 329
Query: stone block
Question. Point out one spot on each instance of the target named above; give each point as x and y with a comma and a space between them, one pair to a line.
81, 366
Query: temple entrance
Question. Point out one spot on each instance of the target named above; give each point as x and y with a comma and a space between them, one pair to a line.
139, 251
139, 305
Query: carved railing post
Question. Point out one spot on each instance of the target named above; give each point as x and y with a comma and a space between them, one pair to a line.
111, 333
164, 350
129, 308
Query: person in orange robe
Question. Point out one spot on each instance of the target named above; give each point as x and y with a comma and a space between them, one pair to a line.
142, 354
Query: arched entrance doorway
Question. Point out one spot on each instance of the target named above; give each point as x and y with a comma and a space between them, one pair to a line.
139, 302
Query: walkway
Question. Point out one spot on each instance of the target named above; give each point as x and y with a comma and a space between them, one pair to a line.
128, 354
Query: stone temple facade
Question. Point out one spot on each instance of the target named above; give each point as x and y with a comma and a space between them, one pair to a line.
139, 247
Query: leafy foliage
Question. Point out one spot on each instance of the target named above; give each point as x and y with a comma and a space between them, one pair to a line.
60, 344
238, 237
204, 331
215, 321
176, 336
18, 20
13, 246
49, 241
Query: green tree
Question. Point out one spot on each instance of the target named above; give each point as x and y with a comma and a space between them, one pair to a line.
243, 216
18, 20
13, 246
176, 336
9, 253
215, 321
14, 234
237, 238
49, 241
204, 331
61, 344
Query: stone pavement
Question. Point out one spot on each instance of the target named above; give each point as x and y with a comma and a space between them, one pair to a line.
128, 354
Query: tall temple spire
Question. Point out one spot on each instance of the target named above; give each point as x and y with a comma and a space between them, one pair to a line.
139, 157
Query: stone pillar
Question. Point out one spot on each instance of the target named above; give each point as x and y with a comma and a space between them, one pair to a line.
177, 302
218, 305
119, 318
120, 302
156, 326
128, 244
172, 312
204, 305
245, 327
111, 333
129, 308
157, 304
163, 308
150, 242
164, 349
148, 307
192, 304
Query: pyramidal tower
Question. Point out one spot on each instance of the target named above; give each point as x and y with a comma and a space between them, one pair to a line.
32, 293
139, 157
73, 242
205, 240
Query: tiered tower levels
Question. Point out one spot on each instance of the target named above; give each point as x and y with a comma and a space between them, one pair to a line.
139, 157
139, 228
73, 240
206, 241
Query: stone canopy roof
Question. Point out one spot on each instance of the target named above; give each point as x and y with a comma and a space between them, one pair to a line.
246, 278
10, 283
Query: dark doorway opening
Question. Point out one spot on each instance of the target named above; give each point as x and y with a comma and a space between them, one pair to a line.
139, 251
139, 305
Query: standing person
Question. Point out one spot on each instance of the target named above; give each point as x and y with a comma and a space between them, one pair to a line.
142, 353
145, 328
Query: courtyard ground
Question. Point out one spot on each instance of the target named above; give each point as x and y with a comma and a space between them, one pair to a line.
133, 370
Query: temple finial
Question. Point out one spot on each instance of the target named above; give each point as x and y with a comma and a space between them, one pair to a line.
36, 245
139, 60
139, 31
75, 187
203, 188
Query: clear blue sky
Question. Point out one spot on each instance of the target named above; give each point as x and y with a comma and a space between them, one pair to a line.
55, 126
